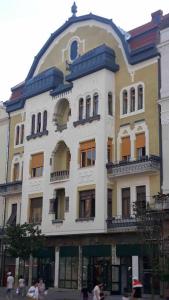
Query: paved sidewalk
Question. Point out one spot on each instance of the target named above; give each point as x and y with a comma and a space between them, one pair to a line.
55, 294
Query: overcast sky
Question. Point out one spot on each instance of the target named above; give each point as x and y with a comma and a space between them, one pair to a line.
25, 25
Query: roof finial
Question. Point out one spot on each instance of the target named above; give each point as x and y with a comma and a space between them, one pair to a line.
74, 9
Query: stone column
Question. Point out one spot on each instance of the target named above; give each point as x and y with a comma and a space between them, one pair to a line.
56, 280
135, 266
16, 270
80, 269
115, 259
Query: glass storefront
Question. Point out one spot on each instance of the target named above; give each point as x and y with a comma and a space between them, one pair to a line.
68, 267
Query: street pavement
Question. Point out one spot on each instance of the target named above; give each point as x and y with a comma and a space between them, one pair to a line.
55, 294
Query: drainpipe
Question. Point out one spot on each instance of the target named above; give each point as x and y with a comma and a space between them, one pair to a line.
160, 127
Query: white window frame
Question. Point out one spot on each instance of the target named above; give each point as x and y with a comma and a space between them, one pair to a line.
137, 111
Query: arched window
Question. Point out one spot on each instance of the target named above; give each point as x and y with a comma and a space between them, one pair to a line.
39, 122
95, 104
81, 109
132, 99
140, 97
44, 120
125, 102
110, 104
17, 135
33, 125
73, 50
88, 106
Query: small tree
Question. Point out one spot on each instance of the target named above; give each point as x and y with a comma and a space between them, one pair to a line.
24, 241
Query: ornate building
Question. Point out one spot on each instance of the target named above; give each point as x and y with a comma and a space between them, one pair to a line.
84, 147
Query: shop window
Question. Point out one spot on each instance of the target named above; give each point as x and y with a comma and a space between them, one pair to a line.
125, 102
39, 122
140, 97
16, 171
87, 154
109, 150
109, 203
12, 219
140, 146
35, 210
95, 104
126, 148
36, 164
81, 107
33, 124
87, 204
140, 199
44, 120
132, 99
125, 202
88, 107
110, 104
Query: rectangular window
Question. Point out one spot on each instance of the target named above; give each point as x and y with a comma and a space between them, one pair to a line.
126, 203
87, 154
140, 146
22, 134
140, 199
109, 150
109, 204
87, 204
125, 148
59, 204
36, 210
37, 162
16, 172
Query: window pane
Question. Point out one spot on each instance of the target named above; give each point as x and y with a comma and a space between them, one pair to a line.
44, 120
132, 100
140, 97
33, 125
125, 202
88, 107
17, 135
83, 159
125, 101
81, 109
110, 104
95, 105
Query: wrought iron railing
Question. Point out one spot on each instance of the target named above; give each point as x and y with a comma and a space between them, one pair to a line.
119, 223
126, 167
9, 188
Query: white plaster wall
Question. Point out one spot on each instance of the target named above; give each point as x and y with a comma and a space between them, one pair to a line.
164, 102
101, 82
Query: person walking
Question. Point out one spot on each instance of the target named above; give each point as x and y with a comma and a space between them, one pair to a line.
42, 288
136, 289
9, 286
21, 286
97, 291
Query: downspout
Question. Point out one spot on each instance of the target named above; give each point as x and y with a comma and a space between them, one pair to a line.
160, 127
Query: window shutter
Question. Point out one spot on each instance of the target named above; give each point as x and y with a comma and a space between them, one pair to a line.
37, 160
125, 146
87, 145
140, 140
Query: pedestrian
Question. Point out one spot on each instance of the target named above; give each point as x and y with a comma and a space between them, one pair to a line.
21, 286
97, 291
85, 293
42, 288
136, 289
9, 286
33, 291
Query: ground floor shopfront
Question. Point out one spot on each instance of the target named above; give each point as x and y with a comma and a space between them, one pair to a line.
75, 262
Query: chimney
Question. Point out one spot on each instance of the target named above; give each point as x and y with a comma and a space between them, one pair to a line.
156, 16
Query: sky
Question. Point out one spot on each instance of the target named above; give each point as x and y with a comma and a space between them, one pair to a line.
25, 25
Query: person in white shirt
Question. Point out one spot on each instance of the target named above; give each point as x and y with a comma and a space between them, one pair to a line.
9, 286
21, 286
33, 292
97, 291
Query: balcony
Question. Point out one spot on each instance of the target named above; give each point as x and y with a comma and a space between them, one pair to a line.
148, 164
59, 175
120, 224
11, 188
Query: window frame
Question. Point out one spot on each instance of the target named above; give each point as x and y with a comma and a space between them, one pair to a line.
87, 208
19, 135
85, 151
110, 104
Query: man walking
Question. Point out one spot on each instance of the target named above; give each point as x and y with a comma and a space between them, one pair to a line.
9, 286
